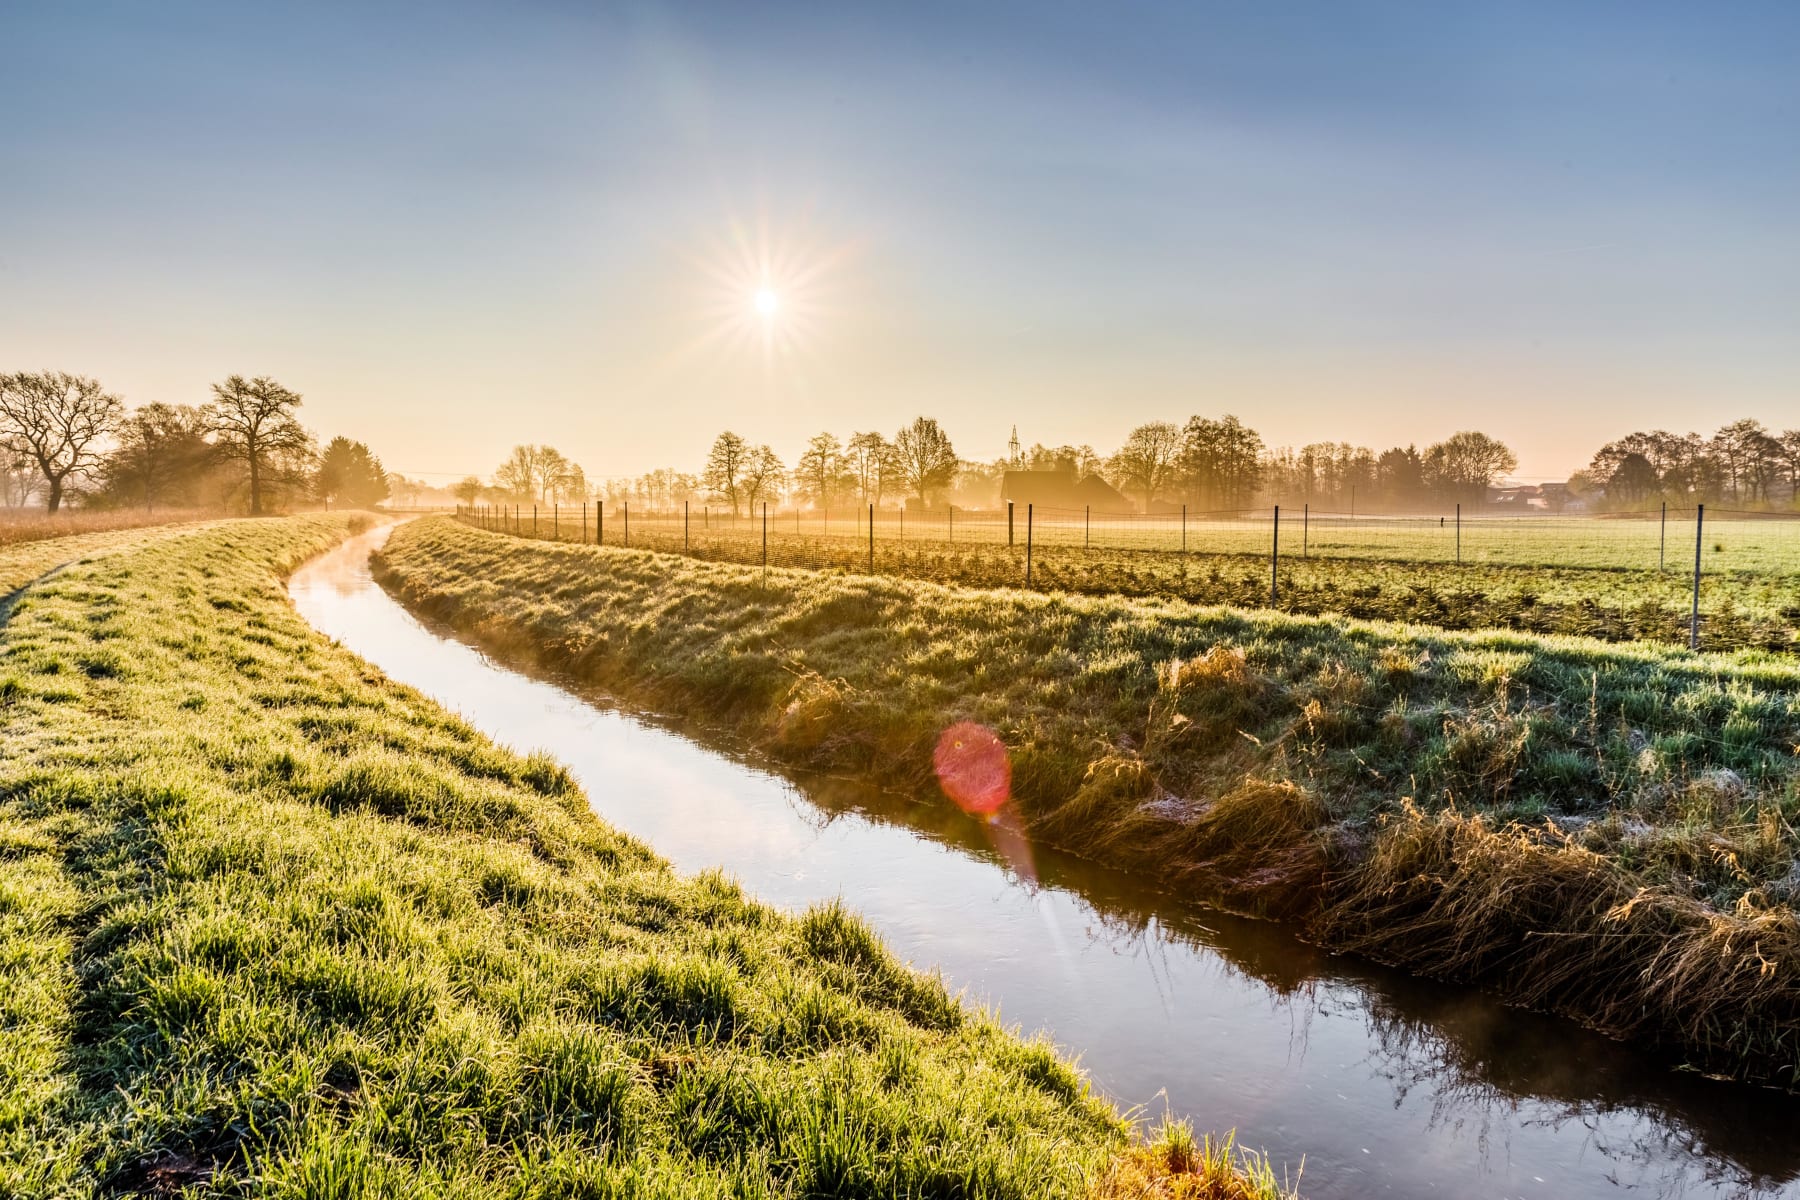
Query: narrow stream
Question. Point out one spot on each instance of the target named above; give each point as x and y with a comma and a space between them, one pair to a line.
1387, 1085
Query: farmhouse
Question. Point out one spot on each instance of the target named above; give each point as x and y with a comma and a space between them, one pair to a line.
1061, 487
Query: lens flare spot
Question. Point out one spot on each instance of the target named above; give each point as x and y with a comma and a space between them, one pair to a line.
972, 767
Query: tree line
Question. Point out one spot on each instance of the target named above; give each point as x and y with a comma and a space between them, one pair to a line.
64, 436
1206, 463
1743, 463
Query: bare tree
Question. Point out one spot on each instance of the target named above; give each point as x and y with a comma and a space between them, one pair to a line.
870, 458
926, 459
820, 468
253, 422
1466, 464
467, 489
762, 476
57, 422
1146, 462
725, 465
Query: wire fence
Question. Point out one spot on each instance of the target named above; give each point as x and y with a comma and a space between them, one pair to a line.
1665, 574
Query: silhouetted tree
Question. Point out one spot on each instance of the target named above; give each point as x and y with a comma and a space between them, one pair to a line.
925, 457
870, 460
253, 422
350, 474
725, 465
1465, 465
467, 489
762, 476
57, 422
1146, 462
819, 473
161, 458
1221, 461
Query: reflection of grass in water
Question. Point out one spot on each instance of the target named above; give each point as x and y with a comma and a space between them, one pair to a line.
1263, 755
270, 917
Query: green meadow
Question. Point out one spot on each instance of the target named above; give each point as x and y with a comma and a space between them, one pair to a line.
274, 925
1602, 831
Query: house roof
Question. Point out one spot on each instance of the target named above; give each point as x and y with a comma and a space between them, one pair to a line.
1062, 488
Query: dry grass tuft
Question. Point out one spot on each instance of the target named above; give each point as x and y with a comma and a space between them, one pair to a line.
1174, 1166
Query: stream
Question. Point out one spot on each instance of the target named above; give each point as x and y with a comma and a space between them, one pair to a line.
1386, 1085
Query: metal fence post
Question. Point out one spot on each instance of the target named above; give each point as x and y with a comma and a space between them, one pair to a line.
1459, 535
1275, 560
1184, 529
627, 524
584, 505
1305, 530
871, 539
1087, 525
1028, 545
599, 522
1699, 535
556, 521
1009, 522
1662, 538
765, 532
684, 525
949, 522
534, 520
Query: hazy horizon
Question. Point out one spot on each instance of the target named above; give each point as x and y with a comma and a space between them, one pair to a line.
458, 230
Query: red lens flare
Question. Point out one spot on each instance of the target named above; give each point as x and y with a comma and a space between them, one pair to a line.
972, 767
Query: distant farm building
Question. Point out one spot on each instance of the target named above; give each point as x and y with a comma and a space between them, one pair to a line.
1061, 487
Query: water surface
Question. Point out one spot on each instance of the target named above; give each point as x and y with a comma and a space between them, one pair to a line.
1386, 1085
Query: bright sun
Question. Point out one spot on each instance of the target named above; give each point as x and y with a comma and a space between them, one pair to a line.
766, 302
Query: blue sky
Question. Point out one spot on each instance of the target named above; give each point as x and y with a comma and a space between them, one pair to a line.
457, 227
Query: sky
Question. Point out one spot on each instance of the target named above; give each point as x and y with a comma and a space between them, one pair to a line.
456, 227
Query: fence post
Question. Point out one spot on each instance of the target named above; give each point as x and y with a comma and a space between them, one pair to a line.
1087, 525
871, 539
1662, 538
1699, 535
765, 532
684, 525
1028, 545
949, 521
534, 520
1459, 534
1009, 524
1184, 529
584, 505
556, 521
1305, 531
1275, 560
628, 524
599, 522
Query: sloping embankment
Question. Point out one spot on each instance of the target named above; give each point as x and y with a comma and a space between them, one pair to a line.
273, 923
1602, 832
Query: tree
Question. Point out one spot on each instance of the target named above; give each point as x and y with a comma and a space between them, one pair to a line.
762, 476
820, 469
1221, 461
1466, 464
161, 456
1633, 480
1146, 462
467, 489
350, 475
57, 422
517, 477
1400, 475
253, 422
725, 468
926, 460
869, 457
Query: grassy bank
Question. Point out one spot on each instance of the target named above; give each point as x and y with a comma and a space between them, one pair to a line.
1749, 600
1600, 831
20, 526
273, 924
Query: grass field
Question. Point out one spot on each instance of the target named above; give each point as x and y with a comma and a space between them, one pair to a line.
34, 525
1754, 605
270, 924
1606, 832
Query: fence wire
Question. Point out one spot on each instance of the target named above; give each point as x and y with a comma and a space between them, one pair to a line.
1622, 577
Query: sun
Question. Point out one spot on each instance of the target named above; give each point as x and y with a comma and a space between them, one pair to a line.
767, 289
